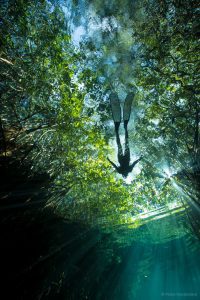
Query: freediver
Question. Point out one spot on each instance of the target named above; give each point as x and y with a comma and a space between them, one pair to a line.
124, 159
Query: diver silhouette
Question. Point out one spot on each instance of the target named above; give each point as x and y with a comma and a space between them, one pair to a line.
124, 159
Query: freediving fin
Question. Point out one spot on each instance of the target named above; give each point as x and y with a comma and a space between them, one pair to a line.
127, 106
116, 108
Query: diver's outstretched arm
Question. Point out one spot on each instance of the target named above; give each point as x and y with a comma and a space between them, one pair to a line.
114, 165
135, 162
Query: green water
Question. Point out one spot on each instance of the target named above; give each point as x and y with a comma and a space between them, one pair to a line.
44, 256
158, 271
161, 263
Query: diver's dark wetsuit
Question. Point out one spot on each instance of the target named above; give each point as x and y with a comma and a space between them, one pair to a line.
124, 159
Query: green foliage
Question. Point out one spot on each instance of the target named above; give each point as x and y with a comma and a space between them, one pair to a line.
43, 112
54, 112
167, 72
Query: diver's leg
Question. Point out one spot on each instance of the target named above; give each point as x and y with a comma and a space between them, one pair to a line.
117, 124
125, 127
119, 146
127, 149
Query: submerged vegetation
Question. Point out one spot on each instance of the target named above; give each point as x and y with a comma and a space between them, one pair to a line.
55, 110
59, 62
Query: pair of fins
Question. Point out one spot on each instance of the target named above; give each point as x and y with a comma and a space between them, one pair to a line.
116, 108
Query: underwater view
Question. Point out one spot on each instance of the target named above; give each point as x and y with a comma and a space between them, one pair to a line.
99, 149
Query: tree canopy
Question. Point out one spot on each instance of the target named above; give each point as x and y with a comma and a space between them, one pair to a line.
55, 113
